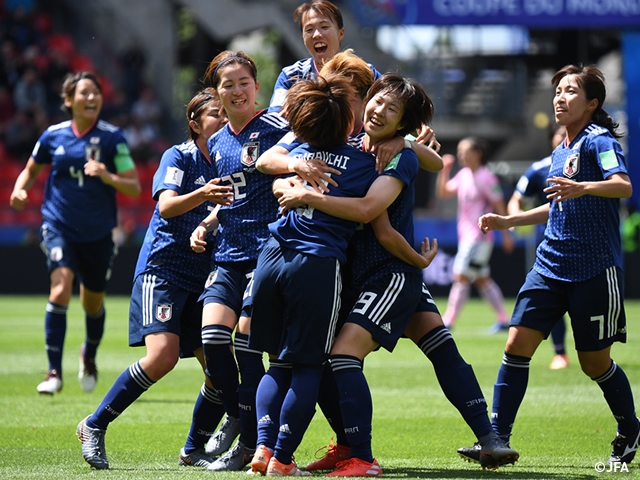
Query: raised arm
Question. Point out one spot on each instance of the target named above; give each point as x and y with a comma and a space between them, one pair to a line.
444, 176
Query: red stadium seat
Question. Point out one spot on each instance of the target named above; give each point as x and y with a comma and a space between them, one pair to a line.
30, 216
7, 216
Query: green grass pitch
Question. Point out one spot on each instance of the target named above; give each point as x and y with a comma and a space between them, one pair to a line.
563, 428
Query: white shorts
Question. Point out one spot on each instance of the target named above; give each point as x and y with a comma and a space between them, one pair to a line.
472, 260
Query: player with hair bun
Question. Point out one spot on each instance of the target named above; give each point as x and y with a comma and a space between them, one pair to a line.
578, 267
165, 311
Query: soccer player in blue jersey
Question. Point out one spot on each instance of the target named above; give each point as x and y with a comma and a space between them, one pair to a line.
296, 292
90, 161
322, 30
242, 233
165, 311
529, 193
392, 298
578, 268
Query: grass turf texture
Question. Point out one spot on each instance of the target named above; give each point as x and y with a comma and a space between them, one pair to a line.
563, 428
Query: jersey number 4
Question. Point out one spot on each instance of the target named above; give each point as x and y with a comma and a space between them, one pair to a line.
79, 174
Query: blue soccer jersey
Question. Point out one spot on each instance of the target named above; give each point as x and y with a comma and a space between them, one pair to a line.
289, 75
165, 251
79, 207
582, 237
372, 261
243, 225
313, 232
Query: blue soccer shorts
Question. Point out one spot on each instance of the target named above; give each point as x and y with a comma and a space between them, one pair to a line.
91, 262
385, 306
595, 306
158, 306
296, 298
230, 284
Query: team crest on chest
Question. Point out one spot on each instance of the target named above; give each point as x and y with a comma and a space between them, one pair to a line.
163, 312
92, 152
250, 153
571, 165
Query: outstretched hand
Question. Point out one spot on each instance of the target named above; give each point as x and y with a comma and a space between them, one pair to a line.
428, 250
491, 221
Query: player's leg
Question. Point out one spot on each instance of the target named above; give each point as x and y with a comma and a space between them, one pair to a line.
218, 323
464, 272
154, 320
208, 409
328, 396
558, 336
251, 371
487, 288
95, 260
378, 318
598, 319
539, 302
311, 287
61, 265
269, 398
458, 382
353, 344
222, 308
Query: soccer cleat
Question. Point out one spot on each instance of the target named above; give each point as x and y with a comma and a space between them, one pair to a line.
222, 440
52, 384
87, 373
92, 440
277, 469
197, 458
260, 460
497, 328
235, 459
356, 467
624, 449
335, 453
493, 454
559, 362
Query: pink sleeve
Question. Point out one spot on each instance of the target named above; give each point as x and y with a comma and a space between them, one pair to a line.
454, 183
490, 186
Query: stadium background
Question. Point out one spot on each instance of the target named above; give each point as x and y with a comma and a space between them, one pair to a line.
150, 56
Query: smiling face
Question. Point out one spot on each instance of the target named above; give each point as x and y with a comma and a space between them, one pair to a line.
237, 91
571, 107
321, 36
85, 103
383, 116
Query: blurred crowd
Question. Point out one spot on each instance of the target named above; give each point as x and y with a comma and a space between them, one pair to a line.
34, 60
35, 57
